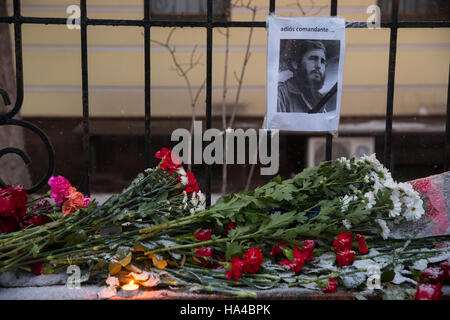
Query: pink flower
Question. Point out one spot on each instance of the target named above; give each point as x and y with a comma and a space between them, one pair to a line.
86, 202
60, 188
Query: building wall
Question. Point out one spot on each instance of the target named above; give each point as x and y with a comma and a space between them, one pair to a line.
116, 64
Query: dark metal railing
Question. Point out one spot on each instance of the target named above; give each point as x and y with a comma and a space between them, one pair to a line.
209, 24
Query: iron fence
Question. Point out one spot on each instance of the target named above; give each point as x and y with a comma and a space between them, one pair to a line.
209, 24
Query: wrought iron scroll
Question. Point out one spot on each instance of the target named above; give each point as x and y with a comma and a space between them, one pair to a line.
7, 118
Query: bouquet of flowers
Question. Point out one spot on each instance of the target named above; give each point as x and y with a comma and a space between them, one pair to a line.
323, 228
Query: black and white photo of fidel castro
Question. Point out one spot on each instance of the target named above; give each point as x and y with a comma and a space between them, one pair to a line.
309, 63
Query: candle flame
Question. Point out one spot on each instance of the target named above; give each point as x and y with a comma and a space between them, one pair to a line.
131, 282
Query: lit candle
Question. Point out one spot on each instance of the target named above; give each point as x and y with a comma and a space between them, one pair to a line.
130, 289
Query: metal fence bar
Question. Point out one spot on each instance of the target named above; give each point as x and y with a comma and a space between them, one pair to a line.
147, 66
390, 89
86, 183
209, 45
201, 23
329, 136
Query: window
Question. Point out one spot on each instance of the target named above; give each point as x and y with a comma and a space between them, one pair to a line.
416, 10
188, 9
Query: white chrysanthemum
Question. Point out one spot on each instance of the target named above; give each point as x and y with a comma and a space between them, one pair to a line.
384, 229
408, 189
397, 204
353, 188
345, 161
148, 170
372, 159
181, 171
370, 199
201, 198
200, 208
414, 209
345, 203
184, 180
346, 223
390, 183
194, 202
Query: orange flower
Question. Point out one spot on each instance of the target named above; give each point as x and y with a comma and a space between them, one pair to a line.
74, 201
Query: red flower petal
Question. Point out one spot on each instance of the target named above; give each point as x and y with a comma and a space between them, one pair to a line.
253, 259
428, 292
237, 266
203, 235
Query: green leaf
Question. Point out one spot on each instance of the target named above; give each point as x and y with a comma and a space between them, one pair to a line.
289, 253
387, 276
238, 231
277, 221
233, 249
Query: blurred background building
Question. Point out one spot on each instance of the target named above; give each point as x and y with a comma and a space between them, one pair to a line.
53, 100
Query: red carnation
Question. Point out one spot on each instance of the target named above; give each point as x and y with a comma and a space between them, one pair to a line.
236, 269
428, 292
276, 250
203, 235
42, 205
345, 258
298, 263
170, 161
332, 286
203, 252
8, 224
253, 259
192, 185
34, 219
230, 225
445, 266
12, 207
432, 276
343, 242
308, 249
362, 244
37, 268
